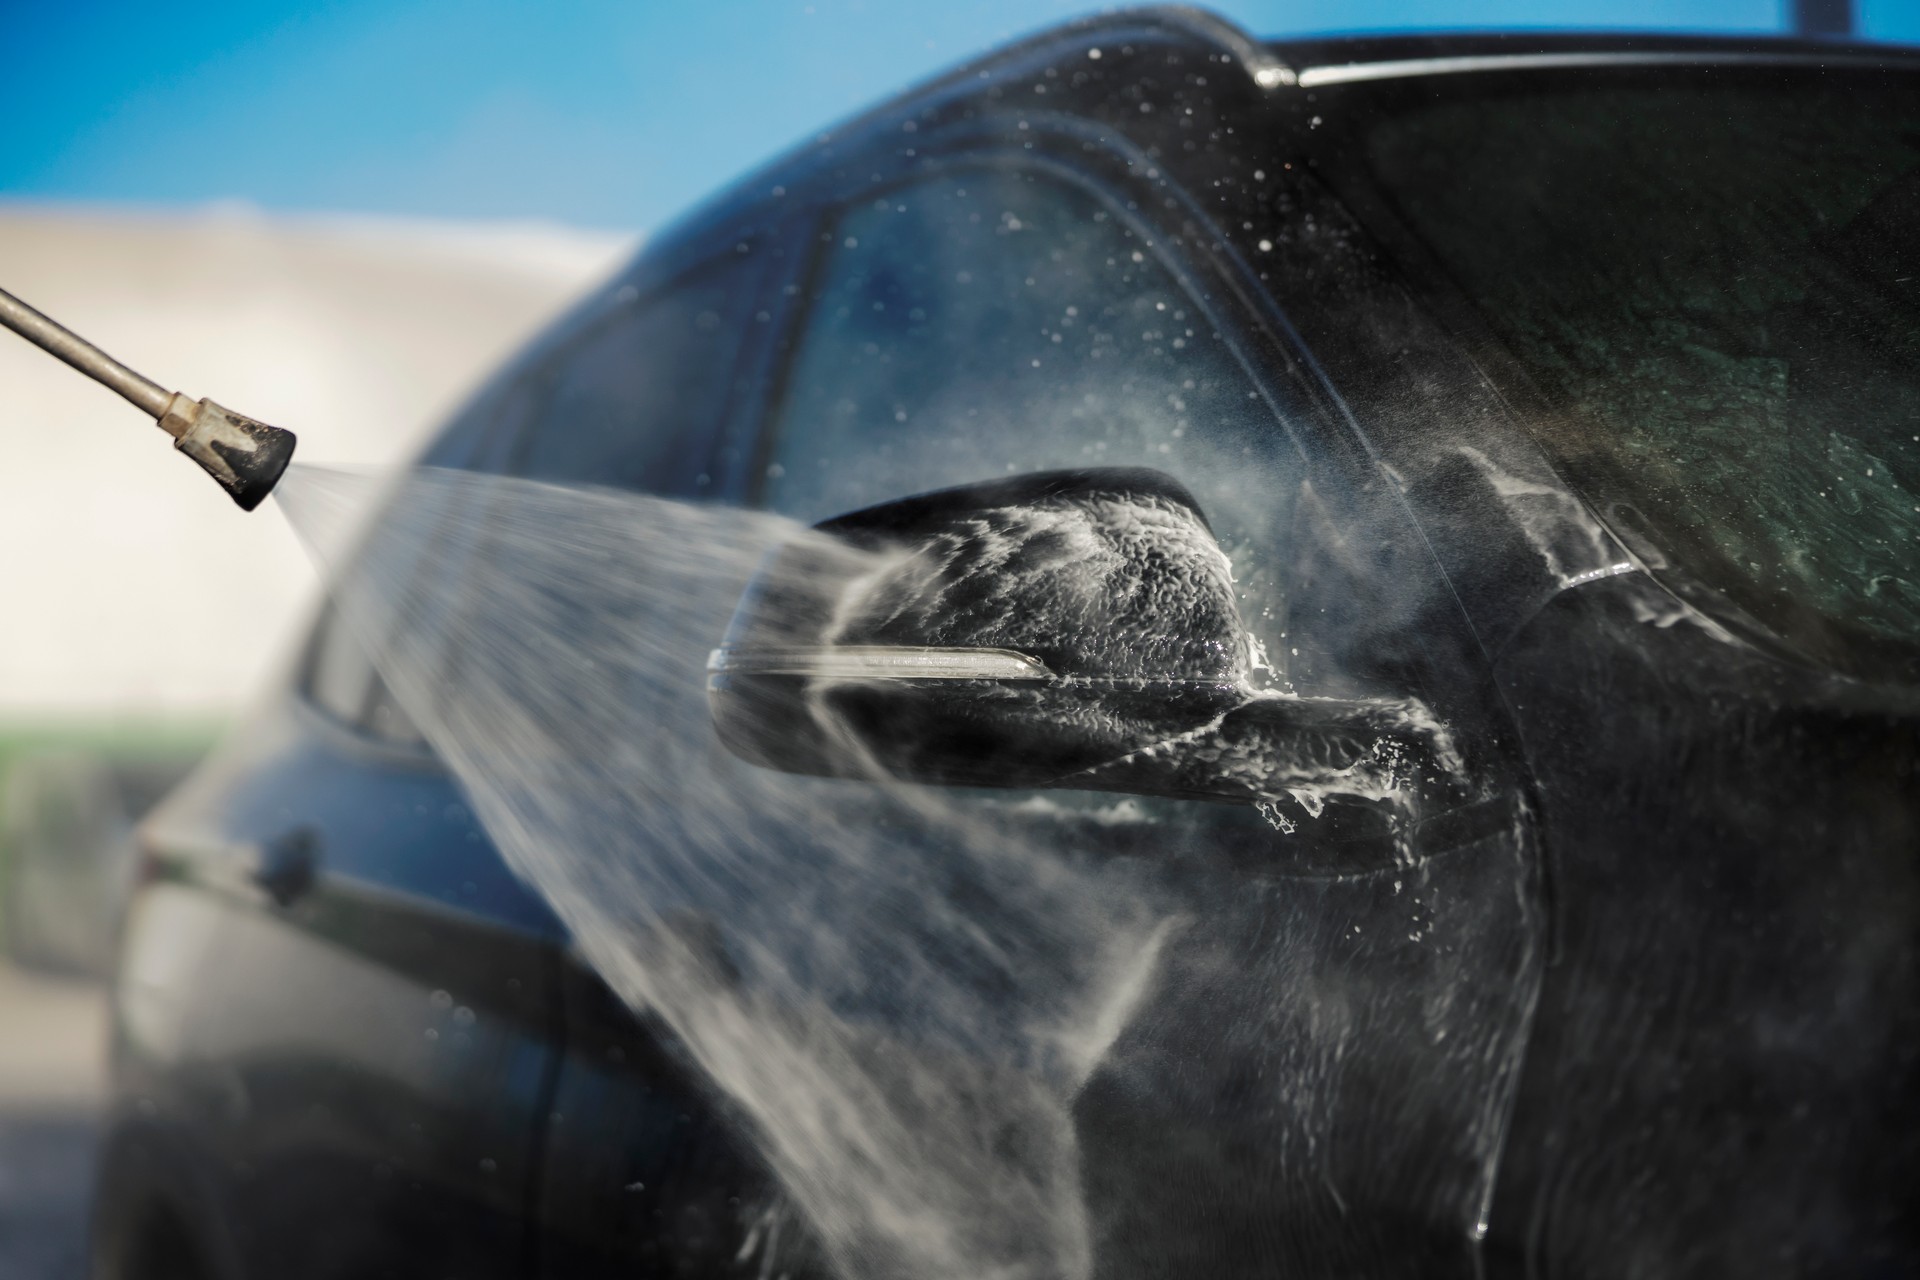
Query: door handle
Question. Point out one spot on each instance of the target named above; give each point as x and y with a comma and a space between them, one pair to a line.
288, 865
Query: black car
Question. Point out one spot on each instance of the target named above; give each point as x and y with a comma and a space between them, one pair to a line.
1422, 533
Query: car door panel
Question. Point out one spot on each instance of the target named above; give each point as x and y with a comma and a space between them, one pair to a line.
384, 1034
654, 1175
1318, 1070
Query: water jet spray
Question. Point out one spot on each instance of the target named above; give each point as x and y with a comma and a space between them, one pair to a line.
245, 456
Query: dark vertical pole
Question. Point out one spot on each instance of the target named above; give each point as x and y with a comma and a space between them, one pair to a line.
1823, 17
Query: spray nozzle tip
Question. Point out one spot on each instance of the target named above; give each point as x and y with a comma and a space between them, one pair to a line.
245, 456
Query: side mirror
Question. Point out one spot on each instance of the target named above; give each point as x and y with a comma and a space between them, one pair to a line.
1061, 629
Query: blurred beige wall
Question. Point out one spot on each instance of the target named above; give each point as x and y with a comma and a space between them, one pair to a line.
130, 587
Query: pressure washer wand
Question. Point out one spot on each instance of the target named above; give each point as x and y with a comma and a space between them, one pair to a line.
245, 456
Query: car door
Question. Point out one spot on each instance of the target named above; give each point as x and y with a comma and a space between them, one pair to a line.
1323, 1047
377, 1032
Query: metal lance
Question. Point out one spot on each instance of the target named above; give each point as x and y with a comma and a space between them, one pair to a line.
246, 457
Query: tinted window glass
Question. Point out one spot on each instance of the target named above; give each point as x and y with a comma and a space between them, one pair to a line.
990, 323
341, 681
635, 399
1721, 287
339, 671
388, 721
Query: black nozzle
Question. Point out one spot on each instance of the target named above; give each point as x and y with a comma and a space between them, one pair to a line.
246, 456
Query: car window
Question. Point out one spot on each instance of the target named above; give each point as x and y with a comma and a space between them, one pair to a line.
632, 403
636, 400
1714, 285
993, 322
341, 681
339, 671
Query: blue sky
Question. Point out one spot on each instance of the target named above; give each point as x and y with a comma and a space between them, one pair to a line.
603, 114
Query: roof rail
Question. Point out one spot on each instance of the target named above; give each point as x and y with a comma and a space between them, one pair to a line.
1192, 22
1260, 65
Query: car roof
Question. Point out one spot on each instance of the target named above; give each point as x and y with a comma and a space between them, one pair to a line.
1277, 66
1305, 63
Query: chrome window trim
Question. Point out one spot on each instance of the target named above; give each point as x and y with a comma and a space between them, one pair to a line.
1407, 68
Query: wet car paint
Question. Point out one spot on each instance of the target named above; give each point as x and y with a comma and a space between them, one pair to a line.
1716, 1028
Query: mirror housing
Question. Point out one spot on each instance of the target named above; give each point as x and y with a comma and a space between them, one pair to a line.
1060, 629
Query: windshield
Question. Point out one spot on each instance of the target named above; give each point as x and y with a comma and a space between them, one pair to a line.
1715, 285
